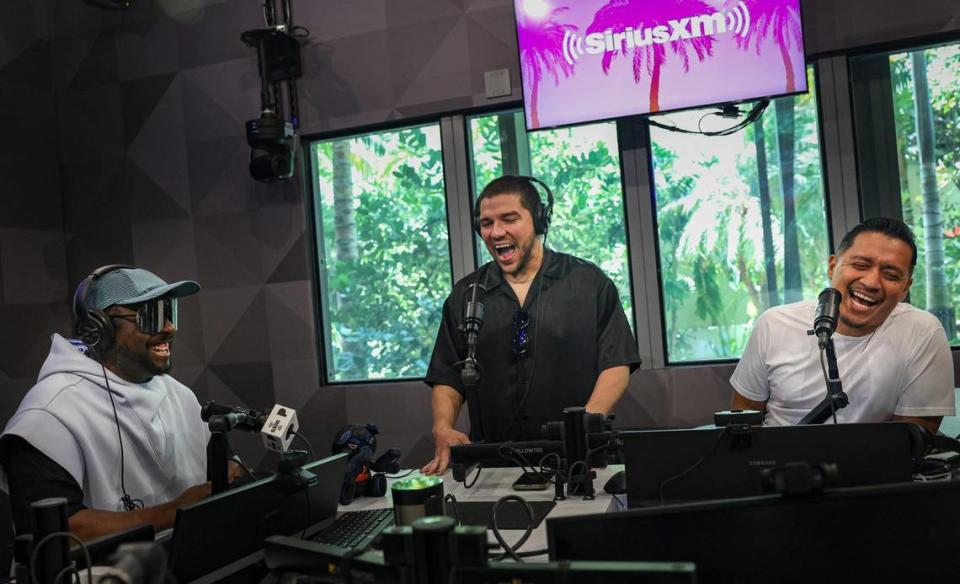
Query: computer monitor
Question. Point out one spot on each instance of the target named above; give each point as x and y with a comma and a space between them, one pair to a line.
225, 532
907, 532
716, 463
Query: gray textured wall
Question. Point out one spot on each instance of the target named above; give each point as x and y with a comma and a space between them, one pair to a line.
134, 121
832, 26
33, 287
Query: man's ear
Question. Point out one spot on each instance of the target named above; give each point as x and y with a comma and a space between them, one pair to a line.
831, 265
906, 290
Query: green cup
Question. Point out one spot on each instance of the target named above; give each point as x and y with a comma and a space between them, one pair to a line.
417, 497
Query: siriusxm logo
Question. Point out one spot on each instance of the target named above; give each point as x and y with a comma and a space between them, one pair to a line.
735, 21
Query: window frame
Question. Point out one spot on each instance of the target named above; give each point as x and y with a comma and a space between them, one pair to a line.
841, 174
317, 252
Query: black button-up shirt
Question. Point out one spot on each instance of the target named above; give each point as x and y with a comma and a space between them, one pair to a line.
577, 329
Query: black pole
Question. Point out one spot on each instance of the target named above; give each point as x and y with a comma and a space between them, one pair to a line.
836, 399
49, 517
217, 449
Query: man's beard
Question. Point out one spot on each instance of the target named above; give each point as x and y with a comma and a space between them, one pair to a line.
142, 361
525, 257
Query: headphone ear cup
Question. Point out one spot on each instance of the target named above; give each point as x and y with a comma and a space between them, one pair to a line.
538, 219
96, 331
476, 216
376, 485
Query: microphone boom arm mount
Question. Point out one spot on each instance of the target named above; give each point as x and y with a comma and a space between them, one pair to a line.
836, 398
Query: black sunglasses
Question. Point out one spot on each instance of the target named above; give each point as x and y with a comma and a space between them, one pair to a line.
152, 315
521, 320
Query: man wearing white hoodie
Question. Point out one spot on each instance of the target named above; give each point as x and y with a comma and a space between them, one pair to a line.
105, 426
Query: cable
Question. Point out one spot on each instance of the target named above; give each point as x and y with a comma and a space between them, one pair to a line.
533, 553
50, 536
509, 550
71, 569
826, 378
475, 477
401, 475
305, 441
554, 472
511, 454
750, 118
450, 498
694, 465
128, 502
571, 474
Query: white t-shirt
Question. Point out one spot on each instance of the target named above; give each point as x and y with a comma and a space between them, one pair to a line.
903, 368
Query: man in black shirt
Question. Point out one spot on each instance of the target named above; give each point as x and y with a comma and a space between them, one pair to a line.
554, 333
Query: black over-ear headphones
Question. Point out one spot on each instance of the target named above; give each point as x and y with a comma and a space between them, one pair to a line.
542, 214
93, 326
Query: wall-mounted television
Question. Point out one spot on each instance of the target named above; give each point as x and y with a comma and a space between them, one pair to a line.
591, 60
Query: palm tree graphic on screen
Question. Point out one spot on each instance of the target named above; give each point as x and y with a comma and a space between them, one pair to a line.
542, 47
782, 20
620, 14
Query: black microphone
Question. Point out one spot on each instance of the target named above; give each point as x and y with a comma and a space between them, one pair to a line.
472, 322
232, 418
828, 314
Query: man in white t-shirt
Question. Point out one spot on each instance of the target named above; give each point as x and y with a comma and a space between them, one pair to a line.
894, 360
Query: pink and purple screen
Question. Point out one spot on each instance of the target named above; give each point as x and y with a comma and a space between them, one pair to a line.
586, 60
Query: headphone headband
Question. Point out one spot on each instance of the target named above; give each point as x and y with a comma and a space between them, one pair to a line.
542, 213
80, 295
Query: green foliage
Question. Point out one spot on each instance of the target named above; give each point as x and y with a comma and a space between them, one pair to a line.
710, 229
943, 72
382, 310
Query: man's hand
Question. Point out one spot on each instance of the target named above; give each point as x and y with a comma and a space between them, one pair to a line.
445, 437
89, 524
192, 495
234, 470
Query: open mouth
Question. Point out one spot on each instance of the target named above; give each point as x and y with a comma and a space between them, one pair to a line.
505, 251
862, 301
160, 349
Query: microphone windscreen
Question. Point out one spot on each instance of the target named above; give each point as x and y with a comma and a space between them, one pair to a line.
828, 309
212, 408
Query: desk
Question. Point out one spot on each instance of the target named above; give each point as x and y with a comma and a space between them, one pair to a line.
494, 483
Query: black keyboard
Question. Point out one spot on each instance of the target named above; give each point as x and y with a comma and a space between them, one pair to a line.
353, 529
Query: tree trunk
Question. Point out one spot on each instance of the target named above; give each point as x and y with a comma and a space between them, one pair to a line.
788, 67
655, 84
786, 132
763, 186
938, 298
354, 362
344, 222
534, 95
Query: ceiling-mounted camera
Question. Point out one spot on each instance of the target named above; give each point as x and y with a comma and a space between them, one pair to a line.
272, 137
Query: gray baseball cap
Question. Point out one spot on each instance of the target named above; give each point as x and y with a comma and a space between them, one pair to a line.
134, 285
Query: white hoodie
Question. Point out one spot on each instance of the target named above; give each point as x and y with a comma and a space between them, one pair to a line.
67, 415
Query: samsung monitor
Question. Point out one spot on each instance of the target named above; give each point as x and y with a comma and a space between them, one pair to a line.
591, 60
667, 466
225, 532
905, 532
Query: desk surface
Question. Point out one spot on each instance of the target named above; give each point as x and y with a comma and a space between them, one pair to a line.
494, 483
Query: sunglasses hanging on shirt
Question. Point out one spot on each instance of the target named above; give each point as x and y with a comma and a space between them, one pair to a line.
521, 320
